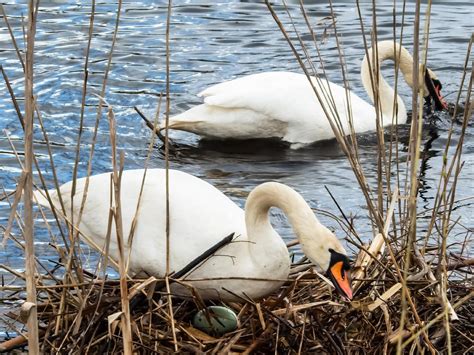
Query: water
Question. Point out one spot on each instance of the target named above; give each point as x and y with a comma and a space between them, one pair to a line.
211, 42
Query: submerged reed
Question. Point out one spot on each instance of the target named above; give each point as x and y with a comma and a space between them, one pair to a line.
412, 294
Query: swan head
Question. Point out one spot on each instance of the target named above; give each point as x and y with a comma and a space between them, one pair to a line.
326, 251
433, 87
339, 273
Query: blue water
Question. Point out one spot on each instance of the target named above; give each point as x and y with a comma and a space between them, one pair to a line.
211, 42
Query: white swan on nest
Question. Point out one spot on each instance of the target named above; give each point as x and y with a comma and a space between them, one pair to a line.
283, 104
200, 217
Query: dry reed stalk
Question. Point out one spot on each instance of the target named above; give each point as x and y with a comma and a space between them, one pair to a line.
167, 166
153, 126
167, 115
377, 246
140, 194
30, 267
15, 102
12, 37
12, 95
414, 149
83, 98
13, 208
116, 210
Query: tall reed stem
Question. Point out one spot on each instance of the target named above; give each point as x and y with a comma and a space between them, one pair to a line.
116, 209
167, 166
32, 323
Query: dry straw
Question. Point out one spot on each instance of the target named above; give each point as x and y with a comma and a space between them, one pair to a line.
412, 294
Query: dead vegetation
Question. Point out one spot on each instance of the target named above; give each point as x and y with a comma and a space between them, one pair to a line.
303, 317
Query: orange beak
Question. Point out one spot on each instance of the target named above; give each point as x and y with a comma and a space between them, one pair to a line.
341, 279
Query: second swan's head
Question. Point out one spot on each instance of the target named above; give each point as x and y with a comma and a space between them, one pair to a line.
329, 254
433, 87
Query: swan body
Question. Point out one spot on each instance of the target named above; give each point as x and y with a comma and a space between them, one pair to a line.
255, 263
283, 105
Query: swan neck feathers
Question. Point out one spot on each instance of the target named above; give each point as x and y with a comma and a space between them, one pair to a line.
370, 73
315, 239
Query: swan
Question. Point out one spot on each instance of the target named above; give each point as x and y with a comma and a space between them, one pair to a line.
253, 265
283, 105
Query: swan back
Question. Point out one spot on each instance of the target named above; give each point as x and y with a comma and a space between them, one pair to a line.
200, 216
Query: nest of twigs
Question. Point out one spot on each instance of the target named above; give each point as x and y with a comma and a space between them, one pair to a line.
304, 316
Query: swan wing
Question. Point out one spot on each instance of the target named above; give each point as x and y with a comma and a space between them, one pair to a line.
266, 105
285, 96
200, 216
289, 97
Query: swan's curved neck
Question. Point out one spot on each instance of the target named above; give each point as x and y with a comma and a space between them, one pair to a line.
390, 108
301, 217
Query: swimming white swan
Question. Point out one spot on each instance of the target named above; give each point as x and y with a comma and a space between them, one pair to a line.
283, 104
201, 216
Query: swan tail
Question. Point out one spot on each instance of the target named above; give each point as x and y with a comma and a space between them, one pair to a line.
189, 120
183, 125
194, 114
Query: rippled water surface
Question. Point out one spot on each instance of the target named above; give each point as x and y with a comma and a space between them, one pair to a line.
212, 42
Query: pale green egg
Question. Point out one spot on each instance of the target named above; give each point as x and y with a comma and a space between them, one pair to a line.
216, 320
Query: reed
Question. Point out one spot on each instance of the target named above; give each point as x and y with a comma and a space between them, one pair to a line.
413, 294
29, 307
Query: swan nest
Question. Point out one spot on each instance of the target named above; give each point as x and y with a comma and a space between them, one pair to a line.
304, 316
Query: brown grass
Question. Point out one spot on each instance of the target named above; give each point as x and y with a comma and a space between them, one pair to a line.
303, 317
